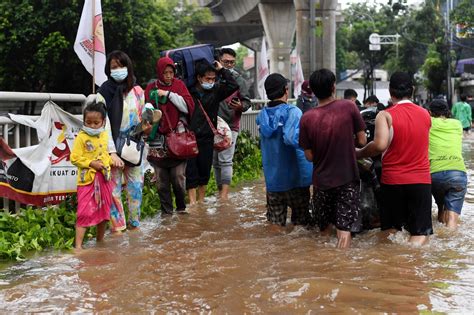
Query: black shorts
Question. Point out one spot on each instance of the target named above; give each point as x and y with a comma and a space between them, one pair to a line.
407, 206
297, 199
198, 169
338, 206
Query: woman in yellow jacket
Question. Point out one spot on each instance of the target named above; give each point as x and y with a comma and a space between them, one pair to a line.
94, 188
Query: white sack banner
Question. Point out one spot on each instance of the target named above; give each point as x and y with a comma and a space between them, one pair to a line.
41, 174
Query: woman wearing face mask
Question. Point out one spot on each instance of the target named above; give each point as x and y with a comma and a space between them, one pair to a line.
209, 94
125, 102
175, 104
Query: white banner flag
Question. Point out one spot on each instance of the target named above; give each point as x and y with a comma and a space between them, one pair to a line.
298, 76
90, 45
263, 71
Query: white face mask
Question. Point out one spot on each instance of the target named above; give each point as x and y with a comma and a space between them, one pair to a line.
92, 131
207, 85
119, 74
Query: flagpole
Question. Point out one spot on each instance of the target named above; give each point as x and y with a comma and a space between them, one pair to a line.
93, 47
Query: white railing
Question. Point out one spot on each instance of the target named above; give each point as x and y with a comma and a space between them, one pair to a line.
247, 122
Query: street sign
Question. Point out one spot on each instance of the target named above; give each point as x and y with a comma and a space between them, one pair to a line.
374, 39
374, 47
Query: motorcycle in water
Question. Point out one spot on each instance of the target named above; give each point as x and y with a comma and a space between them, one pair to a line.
370, 170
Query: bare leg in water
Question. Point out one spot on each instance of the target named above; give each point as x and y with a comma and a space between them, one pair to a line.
80, 232
344, 239
418, 239
201, 193
101, 231
224, 192
452, 219
192, 196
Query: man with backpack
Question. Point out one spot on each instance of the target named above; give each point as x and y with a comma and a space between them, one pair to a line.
230, 110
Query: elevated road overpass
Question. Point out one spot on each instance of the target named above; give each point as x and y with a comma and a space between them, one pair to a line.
246, 21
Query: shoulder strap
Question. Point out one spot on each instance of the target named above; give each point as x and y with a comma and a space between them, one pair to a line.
214, 130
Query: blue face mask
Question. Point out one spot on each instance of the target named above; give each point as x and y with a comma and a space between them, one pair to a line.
93, 132
119, 74
207, 85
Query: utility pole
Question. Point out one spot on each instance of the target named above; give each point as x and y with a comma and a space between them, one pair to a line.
449, 4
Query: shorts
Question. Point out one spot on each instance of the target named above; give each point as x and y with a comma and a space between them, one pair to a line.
338, 206
407, 206
467, 129
297, 199
448, 189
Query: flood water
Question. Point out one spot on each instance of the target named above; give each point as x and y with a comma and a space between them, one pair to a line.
225, 258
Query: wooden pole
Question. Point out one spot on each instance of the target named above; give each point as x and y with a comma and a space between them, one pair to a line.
93, 46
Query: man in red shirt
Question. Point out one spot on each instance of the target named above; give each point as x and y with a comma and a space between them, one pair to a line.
402, 136
327, 134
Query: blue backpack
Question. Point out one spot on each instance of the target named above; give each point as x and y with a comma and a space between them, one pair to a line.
186, 58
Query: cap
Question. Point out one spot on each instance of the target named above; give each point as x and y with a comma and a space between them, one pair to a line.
274, 85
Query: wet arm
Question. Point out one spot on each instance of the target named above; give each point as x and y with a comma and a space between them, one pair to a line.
361, 138
381, 138
309, 155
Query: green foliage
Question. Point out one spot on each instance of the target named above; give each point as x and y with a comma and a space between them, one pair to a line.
433, 70
463, 13
54, 227
247, 157
37, 37
241, 52
35, 229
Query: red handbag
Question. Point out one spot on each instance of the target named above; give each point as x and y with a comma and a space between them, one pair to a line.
180, 145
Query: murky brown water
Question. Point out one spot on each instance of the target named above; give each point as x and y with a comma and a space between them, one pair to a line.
225, 258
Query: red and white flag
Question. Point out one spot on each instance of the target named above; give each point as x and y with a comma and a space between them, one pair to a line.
263, 71
90, 45
298, 77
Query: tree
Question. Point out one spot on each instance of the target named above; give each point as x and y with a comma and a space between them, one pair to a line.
419, 29
423, 46
36, 54
463, 13
361, 20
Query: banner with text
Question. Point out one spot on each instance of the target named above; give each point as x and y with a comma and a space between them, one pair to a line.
41, 174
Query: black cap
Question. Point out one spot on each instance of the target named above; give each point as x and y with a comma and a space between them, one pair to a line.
275, 85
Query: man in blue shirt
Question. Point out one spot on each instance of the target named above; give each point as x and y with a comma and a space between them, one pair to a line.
287, 172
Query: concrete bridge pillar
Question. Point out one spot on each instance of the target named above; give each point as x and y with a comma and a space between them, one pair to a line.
303, 35
326, 41
278, 21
